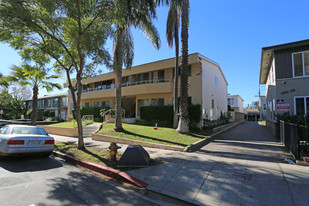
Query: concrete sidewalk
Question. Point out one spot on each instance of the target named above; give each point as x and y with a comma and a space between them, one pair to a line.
211, 177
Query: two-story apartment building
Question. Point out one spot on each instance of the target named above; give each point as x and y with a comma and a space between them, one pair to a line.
285, 71
236, 103
58, 104
152, 84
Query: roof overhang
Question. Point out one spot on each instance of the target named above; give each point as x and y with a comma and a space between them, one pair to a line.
268, 54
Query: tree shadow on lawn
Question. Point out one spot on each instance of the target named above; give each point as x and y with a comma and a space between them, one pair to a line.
107, 162
152, 138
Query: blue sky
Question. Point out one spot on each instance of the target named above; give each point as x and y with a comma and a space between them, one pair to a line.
231, 33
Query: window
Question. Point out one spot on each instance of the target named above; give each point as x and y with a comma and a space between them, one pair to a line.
49, 103
300, 64
141, 103
105, 104
301, 105
55, 102
216, 81
63, 102
97, 86
142, 78
87, 104
157, 102
212, 103
96, 104
230, 101
158, 76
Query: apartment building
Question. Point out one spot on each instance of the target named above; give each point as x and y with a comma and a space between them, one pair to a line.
57, 104
236, 103
152, 84
285, 71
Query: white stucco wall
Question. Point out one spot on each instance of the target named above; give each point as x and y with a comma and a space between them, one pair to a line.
211, 91
271, 92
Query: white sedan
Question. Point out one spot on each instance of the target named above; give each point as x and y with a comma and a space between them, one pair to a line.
25, 140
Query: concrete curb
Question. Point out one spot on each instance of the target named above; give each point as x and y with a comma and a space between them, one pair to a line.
105, 138
195, 146
110, 172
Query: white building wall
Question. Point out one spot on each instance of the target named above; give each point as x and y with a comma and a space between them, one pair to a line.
271, 92
214, 88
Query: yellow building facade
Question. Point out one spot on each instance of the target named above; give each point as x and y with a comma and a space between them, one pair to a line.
147, 84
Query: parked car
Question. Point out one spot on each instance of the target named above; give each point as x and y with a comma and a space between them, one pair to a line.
25, 140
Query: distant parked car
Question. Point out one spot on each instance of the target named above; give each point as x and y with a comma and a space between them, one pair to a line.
25, 140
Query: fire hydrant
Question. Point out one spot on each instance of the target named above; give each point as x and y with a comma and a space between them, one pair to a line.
113, 151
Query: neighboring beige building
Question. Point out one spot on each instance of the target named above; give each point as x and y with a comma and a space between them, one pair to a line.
236, 103
152, 84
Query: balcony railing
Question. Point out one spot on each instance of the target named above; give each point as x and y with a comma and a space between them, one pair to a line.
127, 84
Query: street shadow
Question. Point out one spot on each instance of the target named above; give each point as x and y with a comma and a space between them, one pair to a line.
143, 136
79, 188
29, 164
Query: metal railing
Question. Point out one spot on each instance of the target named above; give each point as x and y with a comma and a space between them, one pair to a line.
295, 138
111, 113
111, 86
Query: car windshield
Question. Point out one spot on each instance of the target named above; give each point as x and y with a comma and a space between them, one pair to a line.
28, 130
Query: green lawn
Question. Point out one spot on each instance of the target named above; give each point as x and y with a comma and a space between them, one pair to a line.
64, 124
162, 135
89, 154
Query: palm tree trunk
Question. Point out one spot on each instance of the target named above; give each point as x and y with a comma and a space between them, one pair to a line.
117, 67
176, 108
34, 105
183, 125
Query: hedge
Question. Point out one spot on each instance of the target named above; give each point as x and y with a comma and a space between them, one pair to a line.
164, 115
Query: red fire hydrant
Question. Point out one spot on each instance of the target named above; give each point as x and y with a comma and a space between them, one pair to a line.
113, 151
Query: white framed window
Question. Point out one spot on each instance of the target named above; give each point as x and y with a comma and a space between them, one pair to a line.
300, 61
301, 105
87, 104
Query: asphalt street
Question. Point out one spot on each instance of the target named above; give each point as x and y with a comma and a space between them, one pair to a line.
36, 181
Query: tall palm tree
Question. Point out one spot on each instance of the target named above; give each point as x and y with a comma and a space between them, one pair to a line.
183, 125
137, 13
172, 34
36, 77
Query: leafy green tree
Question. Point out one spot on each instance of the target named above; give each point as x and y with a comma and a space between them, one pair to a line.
72, 32
3, 81
36, 77
183, 125
12, 105
127, 13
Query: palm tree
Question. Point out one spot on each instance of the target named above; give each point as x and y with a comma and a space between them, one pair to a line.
172, 27
3, 81
137, 13
36, 77
183, 125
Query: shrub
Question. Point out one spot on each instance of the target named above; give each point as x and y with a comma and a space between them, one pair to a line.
163, 115
195, 113
159, 113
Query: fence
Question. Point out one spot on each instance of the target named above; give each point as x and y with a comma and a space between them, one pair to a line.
295, 138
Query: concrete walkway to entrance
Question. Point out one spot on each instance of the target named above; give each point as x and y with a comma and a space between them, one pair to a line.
241, 167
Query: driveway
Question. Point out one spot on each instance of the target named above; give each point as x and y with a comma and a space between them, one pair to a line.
248, 141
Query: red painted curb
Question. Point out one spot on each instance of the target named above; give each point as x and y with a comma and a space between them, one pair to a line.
110, 172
